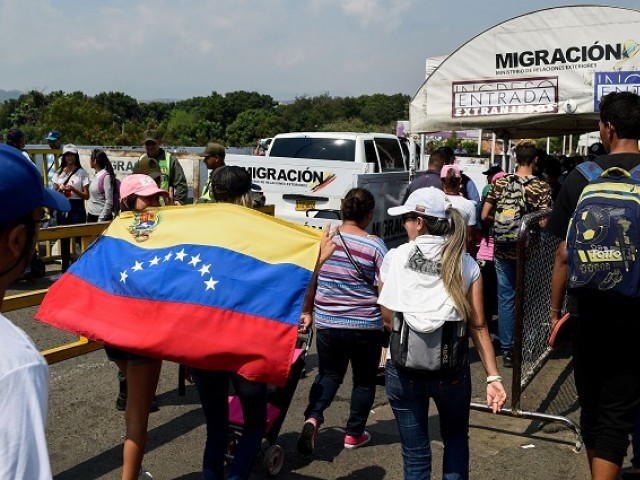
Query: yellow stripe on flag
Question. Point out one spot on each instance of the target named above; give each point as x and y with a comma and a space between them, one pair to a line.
229, 226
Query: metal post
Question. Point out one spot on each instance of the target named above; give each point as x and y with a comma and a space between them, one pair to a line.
570, 144
493, 149
412, 157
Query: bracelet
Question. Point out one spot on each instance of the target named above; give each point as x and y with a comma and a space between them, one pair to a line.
555, 310
494, 378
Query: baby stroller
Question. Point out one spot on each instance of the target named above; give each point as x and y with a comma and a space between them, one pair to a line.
279, 399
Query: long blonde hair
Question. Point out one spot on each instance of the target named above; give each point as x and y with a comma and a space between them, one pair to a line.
455, 231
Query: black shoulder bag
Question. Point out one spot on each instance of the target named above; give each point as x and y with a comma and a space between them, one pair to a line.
60, 216
354, 263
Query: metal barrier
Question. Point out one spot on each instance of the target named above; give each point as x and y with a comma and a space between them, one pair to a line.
40, 157
536, 252
87, 233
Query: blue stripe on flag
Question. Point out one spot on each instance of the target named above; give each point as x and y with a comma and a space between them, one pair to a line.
196, 274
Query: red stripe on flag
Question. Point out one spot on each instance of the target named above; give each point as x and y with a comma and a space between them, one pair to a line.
257, 348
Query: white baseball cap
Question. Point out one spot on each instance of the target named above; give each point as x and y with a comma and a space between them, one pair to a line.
70, 148
428, 201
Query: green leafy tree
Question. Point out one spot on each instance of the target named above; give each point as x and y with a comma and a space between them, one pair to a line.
251, 125
28, 110
83, 121
382, 109
123, 107
155, 113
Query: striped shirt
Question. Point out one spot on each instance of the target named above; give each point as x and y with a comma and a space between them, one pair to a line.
343, 298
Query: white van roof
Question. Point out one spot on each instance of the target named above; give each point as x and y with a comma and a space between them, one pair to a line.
342, 135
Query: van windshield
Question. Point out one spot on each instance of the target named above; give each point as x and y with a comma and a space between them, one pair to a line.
320, 148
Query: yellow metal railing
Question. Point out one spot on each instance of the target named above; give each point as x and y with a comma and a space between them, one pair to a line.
87, 234
41, 157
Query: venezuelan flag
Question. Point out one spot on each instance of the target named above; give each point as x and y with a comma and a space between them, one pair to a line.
214, 286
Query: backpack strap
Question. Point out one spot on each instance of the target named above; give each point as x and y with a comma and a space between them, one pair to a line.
635, 172
589, 170
101, 184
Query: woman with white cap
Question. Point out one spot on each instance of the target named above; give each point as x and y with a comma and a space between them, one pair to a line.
431, 296
73, 181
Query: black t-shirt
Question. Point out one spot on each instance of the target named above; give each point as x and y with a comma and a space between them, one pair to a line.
572, 187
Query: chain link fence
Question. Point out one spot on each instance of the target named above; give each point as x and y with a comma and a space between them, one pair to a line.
536, 255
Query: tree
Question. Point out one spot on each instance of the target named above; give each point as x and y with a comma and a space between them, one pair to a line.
382, 109
83, 121
28, 109
251, 125
123, 107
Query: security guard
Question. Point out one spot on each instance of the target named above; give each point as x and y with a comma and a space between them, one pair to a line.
213, 158
172, 176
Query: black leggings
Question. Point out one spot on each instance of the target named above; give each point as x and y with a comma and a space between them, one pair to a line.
75, 216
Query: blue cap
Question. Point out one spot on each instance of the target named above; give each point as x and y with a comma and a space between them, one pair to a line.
53, 135
21, 187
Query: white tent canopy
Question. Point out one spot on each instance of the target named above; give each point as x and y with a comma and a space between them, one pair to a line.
537, 75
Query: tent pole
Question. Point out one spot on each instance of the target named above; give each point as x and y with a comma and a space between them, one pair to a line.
412, 157
493, 149
564, 145
570, 144
548, 145
479, 141
506, 163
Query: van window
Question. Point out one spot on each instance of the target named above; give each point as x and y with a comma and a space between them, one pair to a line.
320, 148
370, 155
391, 157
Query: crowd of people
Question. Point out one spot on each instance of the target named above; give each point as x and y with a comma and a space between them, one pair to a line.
421, 299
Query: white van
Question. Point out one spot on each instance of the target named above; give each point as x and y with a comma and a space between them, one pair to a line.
306, 176
382, 151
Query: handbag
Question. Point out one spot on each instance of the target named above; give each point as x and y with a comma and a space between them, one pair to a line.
443, 350
353, 261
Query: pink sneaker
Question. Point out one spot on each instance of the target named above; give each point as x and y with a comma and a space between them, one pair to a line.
306, 440
357, 442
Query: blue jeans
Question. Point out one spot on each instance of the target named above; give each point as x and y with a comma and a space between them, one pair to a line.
336, 348
213, 388
409, 396
506, 275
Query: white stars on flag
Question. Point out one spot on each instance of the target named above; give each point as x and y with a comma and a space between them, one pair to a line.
195, 261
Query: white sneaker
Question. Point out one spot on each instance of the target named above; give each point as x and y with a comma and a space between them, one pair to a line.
145, 474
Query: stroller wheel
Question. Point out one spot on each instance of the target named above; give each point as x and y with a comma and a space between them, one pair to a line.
232, 446
273, 460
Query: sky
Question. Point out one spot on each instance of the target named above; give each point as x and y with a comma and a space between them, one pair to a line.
178, 49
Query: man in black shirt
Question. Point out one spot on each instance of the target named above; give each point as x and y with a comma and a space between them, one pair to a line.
606, 354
